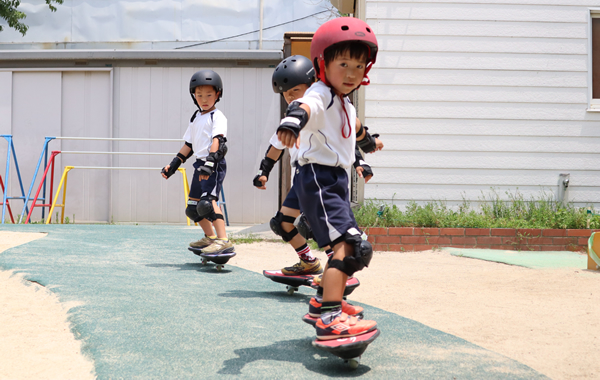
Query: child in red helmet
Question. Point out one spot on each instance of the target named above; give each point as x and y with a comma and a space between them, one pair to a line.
322, 125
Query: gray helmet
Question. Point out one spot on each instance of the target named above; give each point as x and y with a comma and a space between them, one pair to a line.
206, 78
291, 72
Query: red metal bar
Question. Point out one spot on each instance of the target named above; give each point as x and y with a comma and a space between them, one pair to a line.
33, 204
7, 204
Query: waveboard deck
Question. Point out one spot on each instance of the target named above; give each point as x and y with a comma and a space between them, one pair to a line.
294, 282
350, 349
218, 258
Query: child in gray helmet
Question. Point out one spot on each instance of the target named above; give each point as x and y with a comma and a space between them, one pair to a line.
205, 138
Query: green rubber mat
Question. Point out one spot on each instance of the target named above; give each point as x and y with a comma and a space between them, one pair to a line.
533, 260
150, 310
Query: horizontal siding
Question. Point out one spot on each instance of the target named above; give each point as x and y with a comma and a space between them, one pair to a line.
506, 111
466, 28
402, 194
481, 11
484, 127
483, 44
470, 96
494, 94
481, 177
502, 144
484, 78
483, 160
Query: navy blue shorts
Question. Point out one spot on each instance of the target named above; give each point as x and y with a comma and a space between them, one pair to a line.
291, 200
210, 187
324, 198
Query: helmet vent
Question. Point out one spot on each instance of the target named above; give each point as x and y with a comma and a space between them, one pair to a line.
345, 27
285, 67
369, 30
208, 78
285, 80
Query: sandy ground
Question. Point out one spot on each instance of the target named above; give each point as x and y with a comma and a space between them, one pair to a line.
36, 341
547, 319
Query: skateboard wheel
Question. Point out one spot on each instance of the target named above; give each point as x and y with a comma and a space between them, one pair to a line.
204, 261
353, 363
219, 267
291, 289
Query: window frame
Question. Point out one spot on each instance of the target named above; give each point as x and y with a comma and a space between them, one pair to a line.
593, 103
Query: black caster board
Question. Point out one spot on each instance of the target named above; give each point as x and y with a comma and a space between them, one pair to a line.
218, 258
294, 282
350, 349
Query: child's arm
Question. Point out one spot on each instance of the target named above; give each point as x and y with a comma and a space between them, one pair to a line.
266, 165
367, 142
296, 117
218, 150
362, 168
184, 153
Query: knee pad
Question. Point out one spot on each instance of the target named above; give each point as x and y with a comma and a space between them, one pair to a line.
361, 255
304, 228
205, 209
191, 212
275, 225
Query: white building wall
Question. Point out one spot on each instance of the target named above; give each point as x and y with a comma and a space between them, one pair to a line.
471, 94
133, 102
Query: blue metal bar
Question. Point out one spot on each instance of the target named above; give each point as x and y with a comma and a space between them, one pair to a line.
9, 139
224, 206
20, 180
37, 168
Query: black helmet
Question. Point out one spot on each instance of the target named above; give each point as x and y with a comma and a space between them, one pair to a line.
291, 72
206, 78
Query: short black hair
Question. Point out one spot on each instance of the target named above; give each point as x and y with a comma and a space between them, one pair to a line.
357, 50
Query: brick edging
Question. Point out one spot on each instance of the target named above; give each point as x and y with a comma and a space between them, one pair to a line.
514, 239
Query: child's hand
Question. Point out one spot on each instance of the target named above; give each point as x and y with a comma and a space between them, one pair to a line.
165, 170
360, 170
288, 139
203, 177
378, 146
263, 179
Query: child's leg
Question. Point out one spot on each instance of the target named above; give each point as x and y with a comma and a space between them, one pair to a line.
219, 223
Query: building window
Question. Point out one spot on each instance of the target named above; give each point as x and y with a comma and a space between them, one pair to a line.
595, 59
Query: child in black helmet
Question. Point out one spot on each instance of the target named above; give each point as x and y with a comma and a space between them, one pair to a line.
322, 125
291, 78
205, 138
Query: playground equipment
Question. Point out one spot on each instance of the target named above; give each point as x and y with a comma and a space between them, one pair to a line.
52, 204
5, 197
63, 181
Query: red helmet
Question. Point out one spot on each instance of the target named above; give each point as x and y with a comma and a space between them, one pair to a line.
342, 29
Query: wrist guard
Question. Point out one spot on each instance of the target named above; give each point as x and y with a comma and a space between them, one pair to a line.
295, 119
367, 144
367, 171
173, 166
266, 165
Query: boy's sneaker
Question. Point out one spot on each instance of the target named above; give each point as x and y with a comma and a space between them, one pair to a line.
343, 326
204, 242
314, 308
219, 246
303, 267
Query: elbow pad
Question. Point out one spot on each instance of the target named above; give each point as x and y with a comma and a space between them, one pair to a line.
295, 119
367, 144
221, 152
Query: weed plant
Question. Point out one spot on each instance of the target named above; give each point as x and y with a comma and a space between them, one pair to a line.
492, 212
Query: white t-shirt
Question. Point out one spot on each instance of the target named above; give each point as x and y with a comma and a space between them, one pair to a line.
278, 144
203, 129
329, 137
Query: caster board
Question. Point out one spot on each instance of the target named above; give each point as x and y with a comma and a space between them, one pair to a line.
349, 349
218, 258
294, 282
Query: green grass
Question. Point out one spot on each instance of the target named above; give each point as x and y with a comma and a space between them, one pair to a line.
491, 212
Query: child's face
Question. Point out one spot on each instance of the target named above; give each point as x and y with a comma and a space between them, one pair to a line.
345, 73
295, 93
206, 97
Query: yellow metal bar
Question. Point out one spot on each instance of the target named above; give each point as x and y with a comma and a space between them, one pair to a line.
186, 189
62, 180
